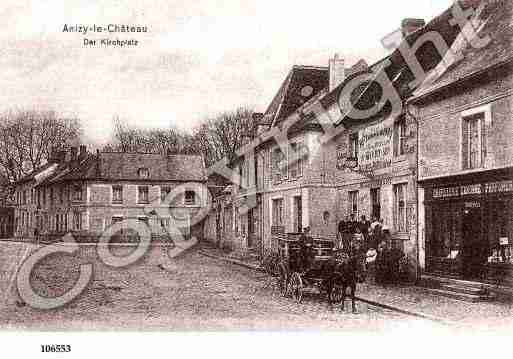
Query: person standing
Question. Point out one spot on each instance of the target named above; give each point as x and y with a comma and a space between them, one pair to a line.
364, 226
353, 223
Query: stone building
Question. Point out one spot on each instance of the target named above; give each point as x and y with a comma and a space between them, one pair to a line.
85, 193
465, 165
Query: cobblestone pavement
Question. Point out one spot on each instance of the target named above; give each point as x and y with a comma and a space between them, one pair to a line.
192, 293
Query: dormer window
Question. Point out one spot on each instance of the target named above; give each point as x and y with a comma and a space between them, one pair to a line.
143, 173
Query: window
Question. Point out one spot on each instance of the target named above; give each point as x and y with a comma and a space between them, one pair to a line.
24, 197
52, 194
164, 193
117, 219
144, 220
473, 149
353, 145
277, 212
242, 174
279, 168
165, 223
236, 219
117, 194
77, 221
77, 193
400, 137
190, 198
400, 207
143, 194
297, 156
143, 173
61, 195
353, 203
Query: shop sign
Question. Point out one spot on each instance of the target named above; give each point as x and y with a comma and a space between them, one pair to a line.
375, 144
474, 189
499, 187
504, 241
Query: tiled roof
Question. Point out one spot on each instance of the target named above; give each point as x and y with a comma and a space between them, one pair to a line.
398, 70
117, 166
497, 24
299, 86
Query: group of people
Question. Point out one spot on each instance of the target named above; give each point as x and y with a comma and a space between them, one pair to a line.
371, 241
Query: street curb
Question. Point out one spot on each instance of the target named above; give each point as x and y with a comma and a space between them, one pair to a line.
234, 261
361, 299
406, 311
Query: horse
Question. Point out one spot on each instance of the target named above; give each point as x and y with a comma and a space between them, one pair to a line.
344, 276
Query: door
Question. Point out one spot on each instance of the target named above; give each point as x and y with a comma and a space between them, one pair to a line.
251, 228
376, 203
298, 215
473, 253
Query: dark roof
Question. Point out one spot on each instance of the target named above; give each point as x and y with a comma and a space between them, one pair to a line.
117, 166
291, 95
32, 175
497, 20
398, 70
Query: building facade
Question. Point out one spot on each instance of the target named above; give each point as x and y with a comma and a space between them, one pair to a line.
466, 159
84, 194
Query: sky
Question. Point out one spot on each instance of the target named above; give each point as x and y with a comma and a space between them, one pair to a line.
197, 59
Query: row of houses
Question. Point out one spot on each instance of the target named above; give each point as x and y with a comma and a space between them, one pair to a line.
84, 193
438, 171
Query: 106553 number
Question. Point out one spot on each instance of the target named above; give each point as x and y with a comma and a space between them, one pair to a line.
55, 348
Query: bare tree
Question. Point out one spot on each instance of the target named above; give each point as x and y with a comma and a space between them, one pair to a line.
221, 136
27, 139
216, 138
132, 139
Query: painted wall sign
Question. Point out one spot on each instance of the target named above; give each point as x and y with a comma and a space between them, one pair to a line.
376, 146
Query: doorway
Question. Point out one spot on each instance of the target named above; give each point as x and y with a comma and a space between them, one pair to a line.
473, 248
376, 203
298, 215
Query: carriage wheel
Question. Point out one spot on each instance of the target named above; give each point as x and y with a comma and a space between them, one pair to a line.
336, 294
296, 285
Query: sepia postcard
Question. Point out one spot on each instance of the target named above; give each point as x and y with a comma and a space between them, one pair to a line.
261, 177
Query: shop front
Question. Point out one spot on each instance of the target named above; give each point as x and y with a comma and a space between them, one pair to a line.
469, 227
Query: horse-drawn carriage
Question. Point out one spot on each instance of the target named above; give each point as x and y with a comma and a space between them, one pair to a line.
310, 264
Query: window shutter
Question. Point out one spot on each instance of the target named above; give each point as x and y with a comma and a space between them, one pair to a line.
464, 144
483, 141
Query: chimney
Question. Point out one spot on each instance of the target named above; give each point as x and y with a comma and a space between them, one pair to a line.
259, 124
83, 152
409, 26
337, 72
74, 152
